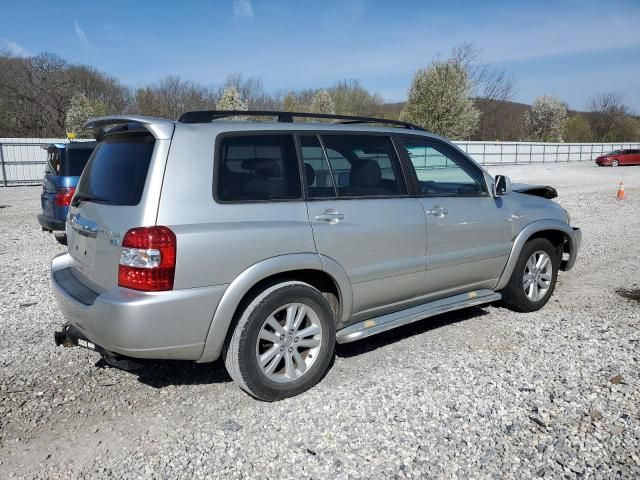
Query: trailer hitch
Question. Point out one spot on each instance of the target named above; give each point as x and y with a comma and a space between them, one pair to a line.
70, 337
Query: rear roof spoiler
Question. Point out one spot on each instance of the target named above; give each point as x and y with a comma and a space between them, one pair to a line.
160, 128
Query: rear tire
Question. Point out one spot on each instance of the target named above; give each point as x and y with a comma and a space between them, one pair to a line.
534, 278
282, 343
61, 238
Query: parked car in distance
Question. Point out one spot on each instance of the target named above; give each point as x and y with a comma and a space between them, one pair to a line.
627, 156
65, 162
265, 243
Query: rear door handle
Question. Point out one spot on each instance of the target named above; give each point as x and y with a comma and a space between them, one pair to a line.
331, 216
438, 211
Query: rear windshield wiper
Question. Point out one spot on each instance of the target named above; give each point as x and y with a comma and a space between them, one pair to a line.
82, 197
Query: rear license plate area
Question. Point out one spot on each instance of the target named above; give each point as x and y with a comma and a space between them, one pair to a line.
83, 249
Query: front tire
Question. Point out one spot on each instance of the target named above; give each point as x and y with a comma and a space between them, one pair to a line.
534, 278
615, 162
283, 342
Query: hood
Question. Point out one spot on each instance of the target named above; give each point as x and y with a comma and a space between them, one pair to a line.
543, 191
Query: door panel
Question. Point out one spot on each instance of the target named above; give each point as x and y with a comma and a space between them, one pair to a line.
381, 241
468, 231
467, 246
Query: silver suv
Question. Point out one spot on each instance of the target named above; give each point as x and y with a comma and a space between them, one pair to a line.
265, 243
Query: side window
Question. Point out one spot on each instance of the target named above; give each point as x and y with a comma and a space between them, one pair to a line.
54, 160
364, 165
441, 171
317, 173
257, 167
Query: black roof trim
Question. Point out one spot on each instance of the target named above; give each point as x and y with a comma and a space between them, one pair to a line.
207, 116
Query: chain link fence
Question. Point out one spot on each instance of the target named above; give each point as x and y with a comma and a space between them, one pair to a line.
22, 160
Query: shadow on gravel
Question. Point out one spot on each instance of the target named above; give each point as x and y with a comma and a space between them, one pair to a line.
416, 328
164, 373
629, 293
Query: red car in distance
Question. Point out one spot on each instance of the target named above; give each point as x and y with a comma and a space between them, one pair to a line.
619, 157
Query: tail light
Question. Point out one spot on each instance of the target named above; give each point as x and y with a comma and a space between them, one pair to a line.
63, 196
148, 259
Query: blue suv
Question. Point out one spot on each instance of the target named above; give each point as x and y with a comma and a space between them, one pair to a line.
65, 163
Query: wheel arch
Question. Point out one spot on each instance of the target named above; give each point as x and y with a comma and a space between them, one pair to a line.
559, 233
319, 271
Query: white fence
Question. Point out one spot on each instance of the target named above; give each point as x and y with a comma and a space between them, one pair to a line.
496, 153
22, 160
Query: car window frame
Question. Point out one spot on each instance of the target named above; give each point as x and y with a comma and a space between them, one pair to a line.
247, 133
465, 163
402, 172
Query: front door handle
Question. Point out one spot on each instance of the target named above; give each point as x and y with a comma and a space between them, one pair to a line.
331, 216
438, 211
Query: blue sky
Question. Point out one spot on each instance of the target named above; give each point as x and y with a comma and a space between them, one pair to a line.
572, 49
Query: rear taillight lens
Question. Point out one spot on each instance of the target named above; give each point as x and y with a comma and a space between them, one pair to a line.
64, 196
148, 259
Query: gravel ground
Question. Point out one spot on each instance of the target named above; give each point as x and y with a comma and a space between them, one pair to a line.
479, 393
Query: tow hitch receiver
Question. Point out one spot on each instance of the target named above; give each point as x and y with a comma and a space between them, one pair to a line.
70, 337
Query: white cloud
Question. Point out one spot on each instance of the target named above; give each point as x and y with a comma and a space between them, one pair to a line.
81, 35
14, 49
242, 9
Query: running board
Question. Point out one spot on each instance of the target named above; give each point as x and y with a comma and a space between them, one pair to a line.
366, 328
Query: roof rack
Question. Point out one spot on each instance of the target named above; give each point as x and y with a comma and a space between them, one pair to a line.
206, 116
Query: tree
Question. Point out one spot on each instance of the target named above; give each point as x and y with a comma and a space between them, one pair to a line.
628, 129
36, 93
577, 130
80, 110
250, 90
100, 87
290, 103
322, 103
545, 120
606, 118
493, 89
171, 97
351, 98
231, 100
439, 100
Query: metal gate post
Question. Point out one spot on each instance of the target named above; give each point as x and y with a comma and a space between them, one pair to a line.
4, 170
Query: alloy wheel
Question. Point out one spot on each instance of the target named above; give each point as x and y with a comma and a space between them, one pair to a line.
289, 342
538, 272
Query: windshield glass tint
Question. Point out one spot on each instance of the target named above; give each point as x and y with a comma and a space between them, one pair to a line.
117, 170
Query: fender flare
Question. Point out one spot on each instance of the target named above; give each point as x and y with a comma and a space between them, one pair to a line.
574, 236
239, 287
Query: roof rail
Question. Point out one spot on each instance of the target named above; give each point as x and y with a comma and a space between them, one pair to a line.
206, 116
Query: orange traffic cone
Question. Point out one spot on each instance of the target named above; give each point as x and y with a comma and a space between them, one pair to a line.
620, 194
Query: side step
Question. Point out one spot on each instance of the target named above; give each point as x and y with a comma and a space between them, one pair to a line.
366, 328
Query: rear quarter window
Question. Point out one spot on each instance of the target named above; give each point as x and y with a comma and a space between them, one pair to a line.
256, 167
117, 169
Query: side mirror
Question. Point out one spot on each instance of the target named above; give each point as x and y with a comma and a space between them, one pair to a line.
501, 186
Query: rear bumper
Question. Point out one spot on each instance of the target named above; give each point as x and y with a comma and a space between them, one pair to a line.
160, 325
52, 224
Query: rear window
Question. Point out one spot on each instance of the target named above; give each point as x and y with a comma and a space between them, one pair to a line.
117, 170
257, 168
74, 161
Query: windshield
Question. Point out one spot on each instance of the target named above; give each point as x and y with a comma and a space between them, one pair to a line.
613, 152
117, 170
